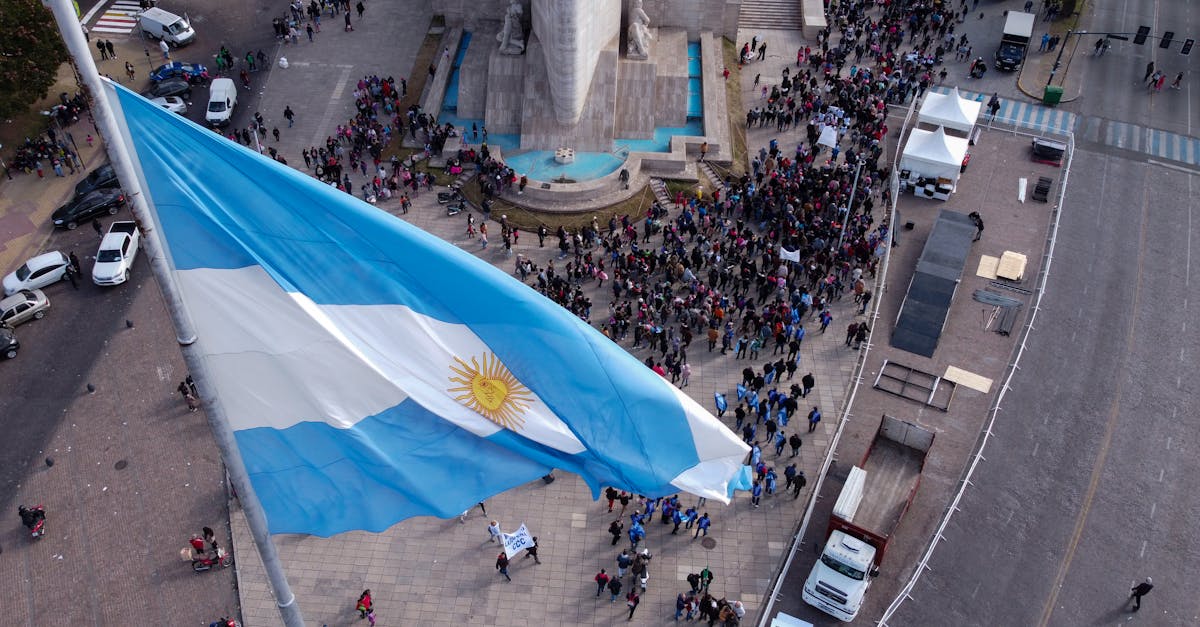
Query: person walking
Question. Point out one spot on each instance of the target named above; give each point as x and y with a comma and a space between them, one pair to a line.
798, 484
112, 52
364, 606
795, 442
702, 525
532, 552
807, 383
166, 50
616, 528
632, 600
1139, 591
502, 565
614, 587
102, 49
289, 115
601, 580
756, 493
814, 417
128, 72
623, 562
494, 532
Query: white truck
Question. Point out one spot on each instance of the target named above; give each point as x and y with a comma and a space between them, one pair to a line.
118, 250
1014, 42
872, 502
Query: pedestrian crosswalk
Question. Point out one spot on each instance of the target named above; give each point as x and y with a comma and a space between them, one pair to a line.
1022, 114
1153, 142
120, 18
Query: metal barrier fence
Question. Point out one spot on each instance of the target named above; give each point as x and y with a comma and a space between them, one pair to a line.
848, 400
965, 480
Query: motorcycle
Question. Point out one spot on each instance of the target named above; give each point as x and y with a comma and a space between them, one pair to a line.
34, 519
223, 622
207, 561
452, 196
454, 209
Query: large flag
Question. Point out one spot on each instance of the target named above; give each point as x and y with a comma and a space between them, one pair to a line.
373, 372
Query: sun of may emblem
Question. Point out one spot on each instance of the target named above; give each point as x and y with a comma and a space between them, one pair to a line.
491, 390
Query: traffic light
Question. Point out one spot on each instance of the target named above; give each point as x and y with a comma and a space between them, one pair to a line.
1166, 39
1187, 46
1142, 34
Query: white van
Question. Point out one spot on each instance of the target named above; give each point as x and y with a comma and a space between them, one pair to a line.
167, 26
222, 98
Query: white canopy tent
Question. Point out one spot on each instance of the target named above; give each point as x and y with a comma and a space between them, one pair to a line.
950, 111
934, 155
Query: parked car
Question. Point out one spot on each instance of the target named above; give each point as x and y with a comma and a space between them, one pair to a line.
23, 306
91, 205
103, 177
174, 104
118, 250
190, 72
8, 343
169, 87
36, 273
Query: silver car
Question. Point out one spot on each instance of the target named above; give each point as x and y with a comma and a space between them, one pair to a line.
23, 306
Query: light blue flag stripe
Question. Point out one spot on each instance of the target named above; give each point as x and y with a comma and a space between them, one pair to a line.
224, 207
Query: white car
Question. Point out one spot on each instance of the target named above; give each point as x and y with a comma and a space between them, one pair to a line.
38, 272
23, 306
174, 104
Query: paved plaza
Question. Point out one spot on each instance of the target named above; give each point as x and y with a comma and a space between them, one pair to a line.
442, 571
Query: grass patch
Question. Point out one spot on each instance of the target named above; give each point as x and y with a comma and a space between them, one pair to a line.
31, 122
529, 219
733, 105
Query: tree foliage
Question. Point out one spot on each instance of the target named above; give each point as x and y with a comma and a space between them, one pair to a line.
31, 52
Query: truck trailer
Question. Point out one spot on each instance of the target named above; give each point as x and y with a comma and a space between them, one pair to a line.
868, 510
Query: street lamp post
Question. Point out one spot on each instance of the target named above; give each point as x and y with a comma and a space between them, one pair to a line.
1058, 59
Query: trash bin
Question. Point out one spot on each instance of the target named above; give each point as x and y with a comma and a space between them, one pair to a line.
1053, 95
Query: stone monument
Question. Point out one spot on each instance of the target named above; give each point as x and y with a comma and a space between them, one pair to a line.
512, 35
572, 34
638, 44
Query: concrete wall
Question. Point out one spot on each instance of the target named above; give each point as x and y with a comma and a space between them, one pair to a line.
473, 74
670, 95
435, 88
506, 95
694, 16
635, 98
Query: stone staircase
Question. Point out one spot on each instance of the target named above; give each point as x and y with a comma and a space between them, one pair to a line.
714, 179
660, 192
770, 15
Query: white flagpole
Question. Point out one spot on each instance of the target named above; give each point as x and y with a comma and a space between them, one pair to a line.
122, 162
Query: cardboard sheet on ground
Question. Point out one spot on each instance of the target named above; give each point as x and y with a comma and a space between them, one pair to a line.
1011, 266
987, 266
968, 379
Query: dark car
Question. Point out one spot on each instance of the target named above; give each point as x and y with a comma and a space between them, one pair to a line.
191, 72
93, 204
103, 177
8, 342
169, 87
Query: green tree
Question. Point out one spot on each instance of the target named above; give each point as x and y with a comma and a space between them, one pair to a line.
31, 52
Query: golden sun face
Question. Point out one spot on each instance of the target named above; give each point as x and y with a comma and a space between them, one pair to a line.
490, 390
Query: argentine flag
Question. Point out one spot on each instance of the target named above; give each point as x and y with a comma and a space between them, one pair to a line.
373, 372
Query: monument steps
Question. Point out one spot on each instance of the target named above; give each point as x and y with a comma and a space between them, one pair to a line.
770, 15
659, 188
714, 179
